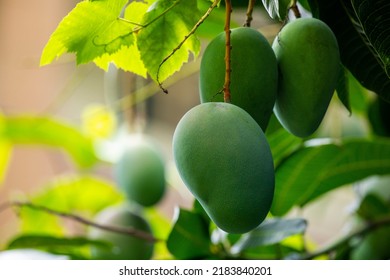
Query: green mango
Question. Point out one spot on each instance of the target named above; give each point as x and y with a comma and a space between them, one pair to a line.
124, 247
309, 66
224, 159
254, 75
140, 172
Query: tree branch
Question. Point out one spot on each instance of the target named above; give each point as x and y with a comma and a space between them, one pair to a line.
122, 230
226, 86
295, 9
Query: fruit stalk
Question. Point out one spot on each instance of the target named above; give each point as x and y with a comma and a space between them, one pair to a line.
226, 86
249, 18
295, 9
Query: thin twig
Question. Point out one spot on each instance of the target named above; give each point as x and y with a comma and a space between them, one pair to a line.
193, 30
360, 232
295, 9
122, 230
249, 12
226, 86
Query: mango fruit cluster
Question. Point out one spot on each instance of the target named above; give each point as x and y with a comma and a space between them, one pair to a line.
220, 149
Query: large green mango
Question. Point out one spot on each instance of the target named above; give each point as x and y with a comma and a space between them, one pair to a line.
224, 159
254, 75
309, 65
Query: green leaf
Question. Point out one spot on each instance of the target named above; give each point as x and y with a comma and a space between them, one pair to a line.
317, 169
372, 207
342, 89
70, 194
282, 144
127, 58
277, 9
49, 132
271, 231
357, 53
166, 24
189, 237
5, 155
369, 15
47, 241
91, 29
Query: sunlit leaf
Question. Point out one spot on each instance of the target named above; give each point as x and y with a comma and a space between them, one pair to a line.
91, 29
167, 23
50, 132
5, 155
98, 121
317, 169
70, 194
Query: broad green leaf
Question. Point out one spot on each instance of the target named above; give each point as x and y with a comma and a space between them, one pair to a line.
166, 24
319, 168
357, 53
127, 58
189, 237
372, 207
277, 9
50, 132
90, 30
282, 144
271, 231
47, 242
69, 194
342, 89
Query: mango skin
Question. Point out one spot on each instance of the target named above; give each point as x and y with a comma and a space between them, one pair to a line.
125, 247
140, 172
224, 159
254, 75
309, 65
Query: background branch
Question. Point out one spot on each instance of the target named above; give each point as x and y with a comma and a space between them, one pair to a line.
122, 230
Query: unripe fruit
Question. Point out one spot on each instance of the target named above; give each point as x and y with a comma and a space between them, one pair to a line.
253, 77
125, 247
224, 159
309, 65
140, 172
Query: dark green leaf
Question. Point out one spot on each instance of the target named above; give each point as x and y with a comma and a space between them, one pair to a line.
189, 237
47, 241
271, 231
282, 144
372, 207
356, 54
372, 21
277, 9
342, 89
317, 169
